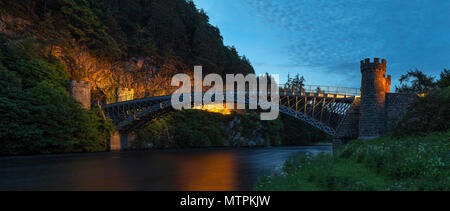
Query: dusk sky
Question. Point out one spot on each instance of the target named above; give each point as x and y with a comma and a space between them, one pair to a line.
325, 40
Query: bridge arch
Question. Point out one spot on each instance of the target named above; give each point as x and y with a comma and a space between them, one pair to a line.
323, 111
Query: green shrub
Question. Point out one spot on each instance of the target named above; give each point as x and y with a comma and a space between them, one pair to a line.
414, 158
428, 114
44, 119
323, 172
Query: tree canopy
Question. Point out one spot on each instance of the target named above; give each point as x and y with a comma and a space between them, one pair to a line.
418, 82
133, 28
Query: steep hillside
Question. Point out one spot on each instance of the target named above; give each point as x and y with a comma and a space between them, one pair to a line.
131, 44
136, 44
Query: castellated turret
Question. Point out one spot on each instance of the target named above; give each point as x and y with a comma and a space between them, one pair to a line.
81, 91
374, 86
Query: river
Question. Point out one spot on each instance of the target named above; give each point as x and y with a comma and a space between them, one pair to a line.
165, 170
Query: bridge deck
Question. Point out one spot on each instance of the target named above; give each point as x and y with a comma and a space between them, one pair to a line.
347, 98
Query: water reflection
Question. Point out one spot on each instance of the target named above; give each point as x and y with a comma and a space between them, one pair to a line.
208, 172
190, 170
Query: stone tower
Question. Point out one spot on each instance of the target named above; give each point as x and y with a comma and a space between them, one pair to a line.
81, 91
374, 86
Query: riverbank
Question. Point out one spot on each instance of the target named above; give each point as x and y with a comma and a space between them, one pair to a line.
402, 164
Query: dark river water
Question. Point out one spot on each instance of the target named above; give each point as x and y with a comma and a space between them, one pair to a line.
184, 170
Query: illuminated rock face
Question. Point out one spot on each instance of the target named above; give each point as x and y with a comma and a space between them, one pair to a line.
81, 91
374, 86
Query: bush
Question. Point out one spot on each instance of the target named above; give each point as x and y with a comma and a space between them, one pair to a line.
428, 114
420, 161
323, 172
37, 114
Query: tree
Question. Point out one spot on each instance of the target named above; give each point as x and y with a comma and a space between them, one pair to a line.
295, 84
298, 83
287, 85
420, 83
37, 114
319, 90
444, 81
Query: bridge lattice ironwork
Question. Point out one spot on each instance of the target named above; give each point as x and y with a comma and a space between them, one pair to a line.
323, 111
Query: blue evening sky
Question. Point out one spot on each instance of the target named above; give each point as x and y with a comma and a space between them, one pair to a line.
324, 40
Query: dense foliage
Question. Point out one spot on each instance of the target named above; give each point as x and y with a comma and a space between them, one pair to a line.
37, 114
444, 81
135, 28
43, 45
196, 128
408, 163
428, 114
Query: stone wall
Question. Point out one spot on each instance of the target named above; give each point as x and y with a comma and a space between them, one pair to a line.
348, 129
81, 91
396, 107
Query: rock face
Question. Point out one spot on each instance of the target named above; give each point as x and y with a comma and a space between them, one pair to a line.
236, 139
147, 76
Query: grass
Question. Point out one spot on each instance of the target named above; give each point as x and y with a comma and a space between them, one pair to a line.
388, 163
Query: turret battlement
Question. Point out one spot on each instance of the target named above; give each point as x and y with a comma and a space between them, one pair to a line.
79, 83
125, 90
376, 65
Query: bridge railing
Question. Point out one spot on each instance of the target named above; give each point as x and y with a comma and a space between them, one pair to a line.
283, 88
322, 89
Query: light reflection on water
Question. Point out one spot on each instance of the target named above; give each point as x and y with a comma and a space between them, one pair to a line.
190, 170
216, 171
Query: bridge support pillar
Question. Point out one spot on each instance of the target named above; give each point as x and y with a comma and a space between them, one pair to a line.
121, 141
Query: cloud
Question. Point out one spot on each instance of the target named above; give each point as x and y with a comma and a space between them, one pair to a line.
336, 34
